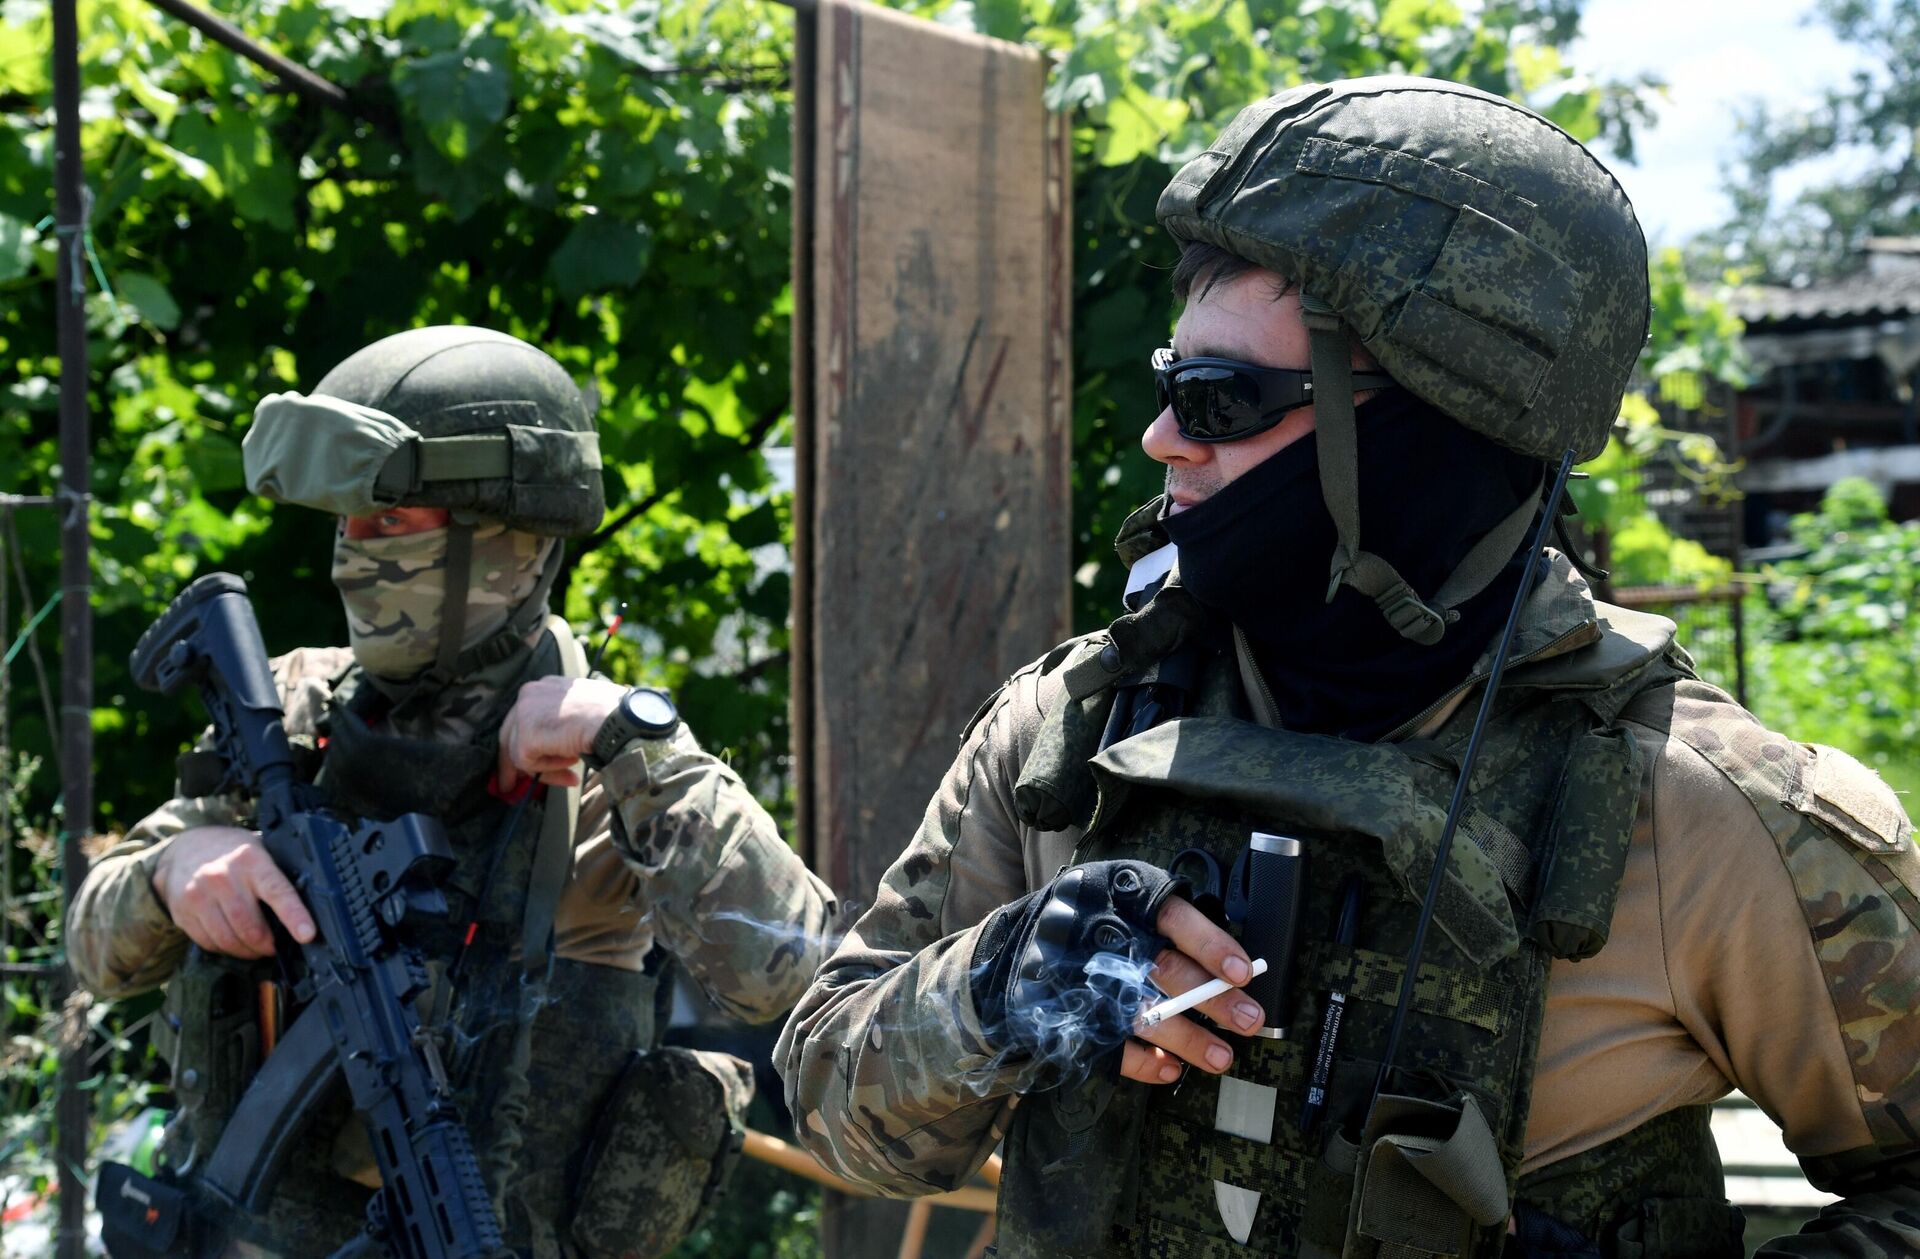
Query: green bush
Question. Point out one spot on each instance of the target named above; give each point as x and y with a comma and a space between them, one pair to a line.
120, 1062
1646, 553
1836, 655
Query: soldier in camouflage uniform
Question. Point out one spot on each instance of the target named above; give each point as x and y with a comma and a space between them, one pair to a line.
1652, 899
457, 459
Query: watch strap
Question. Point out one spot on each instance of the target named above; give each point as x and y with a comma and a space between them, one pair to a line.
614, 734
621, 728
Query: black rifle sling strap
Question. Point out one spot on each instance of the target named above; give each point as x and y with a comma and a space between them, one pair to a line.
553, 855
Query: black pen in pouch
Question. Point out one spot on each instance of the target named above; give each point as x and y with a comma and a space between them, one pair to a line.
1345, 930
1276, 880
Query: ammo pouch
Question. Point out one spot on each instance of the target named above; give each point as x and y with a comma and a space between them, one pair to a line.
1426, 1174
1071, 1171
666, 1141
209, 1034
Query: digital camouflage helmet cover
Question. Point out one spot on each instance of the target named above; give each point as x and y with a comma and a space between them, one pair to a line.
1489, 263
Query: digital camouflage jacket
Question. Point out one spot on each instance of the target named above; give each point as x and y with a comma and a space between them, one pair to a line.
1764, 937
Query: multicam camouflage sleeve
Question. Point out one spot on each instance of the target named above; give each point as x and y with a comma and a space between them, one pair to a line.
119, 936
1806, 988
888, 1075
727, 897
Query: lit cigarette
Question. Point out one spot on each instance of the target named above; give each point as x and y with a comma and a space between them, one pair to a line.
1193, 997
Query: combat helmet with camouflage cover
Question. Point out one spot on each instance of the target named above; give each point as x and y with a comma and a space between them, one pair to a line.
456, 417
1484, 257
462, 418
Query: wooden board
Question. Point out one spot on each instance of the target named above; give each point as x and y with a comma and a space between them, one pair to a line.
932, 342
934, 419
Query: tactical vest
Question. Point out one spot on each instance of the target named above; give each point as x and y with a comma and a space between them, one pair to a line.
1215, 1167
530, 1082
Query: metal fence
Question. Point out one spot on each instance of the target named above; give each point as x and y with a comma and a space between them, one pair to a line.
1712, 624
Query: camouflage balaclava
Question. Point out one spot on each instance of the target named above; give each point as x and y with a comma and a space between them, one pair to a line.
477, 422
394, 588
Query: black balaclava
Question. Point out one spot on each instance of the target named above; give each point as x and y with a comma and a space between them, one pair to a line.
1257, 552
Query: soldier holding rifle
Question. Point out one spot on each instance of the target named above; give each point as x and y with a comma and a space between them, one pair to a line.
457, 460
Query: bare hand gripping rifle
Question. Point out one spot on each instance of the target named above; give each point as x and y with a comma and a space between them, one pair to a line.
353, 986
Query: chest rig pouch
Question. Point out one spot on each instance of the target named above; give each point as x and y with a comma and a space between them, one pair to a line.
518, 1025
1218, 1166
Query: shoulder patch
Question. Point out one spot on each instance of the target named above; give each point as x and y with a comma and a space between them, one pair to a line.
1847, 845
1850, 801
1790, 782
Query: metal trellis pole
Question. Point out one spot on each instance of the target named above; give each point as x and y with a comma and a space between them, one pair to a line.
7, 785
293, 76
73, 1113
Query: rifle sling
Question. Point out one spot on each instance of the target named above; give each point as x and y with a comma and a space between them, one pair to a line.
553, 855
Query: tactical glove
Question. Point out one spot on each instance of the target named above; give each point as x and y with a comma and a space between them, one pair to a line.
1059, 974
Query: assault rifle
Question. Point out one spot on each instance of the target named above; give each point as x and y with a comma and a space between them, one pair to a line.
352, 986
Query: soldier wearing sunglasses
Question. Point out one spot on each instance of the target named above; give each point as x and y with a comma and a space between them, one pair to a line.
1404, 302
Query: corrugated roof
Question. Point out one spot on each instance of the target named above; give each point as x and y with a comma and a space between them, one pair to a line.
1857, 297
1887, 286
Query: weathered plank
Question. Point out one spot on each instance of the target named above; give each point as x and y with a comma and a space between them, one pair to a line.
936, 419
932, 420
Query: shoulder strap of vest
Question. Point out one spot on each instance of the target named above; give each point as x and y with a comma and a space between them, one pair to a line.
553, 856
1635, 652
1056, 788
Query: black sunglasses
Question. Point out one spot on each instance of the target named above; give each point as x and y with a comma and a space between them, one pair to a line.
1224, 399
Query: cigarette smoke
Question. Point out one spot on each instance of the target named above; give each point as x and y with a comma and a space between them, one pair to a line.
793, 938
1058, 1041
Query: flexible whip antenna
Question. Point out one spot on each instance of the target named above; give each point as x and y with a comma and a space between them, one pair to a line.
1445, 847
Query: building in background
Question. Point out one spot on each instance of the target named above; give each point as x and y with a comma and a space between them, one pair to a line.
1835, 390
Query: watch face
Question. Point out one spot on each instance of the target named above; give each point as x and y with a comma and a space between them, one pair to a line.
652, 710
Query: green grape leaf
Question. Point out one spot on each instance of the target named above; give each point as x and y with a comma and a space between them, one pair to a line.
601, 253
149, 298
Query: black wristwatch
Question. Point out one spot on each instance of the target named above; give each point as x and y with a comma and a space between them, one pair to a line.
645, 712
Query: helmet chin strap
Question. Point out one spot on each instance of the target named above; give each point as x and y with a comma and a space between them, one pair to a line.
453, 600
1333, 419
452, 661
